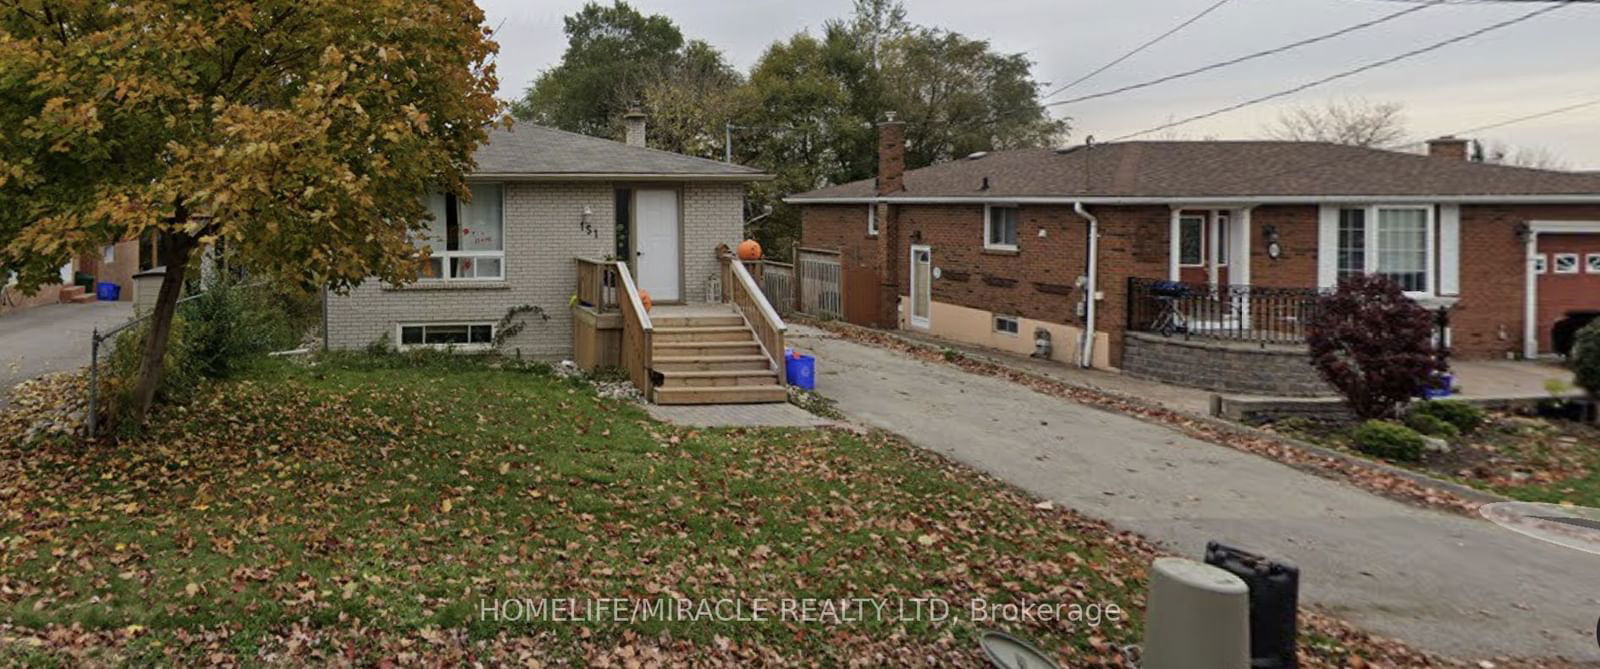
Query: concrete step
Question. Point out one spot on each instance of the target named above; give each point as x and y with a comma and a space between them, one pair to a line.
705, 348
722, 395
705, 333
70, 293
84, 299
718, 379
710, 363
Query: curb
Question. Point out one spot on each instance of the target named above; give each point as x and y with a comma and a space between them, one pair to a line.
1436, 484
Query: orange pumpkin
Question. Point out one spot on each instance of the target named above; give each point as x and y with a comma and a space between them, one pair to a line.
644, 297
749, 250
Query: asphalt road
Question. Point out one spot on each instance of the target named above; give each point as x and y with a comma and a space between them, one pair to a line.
51, 338
1455, 585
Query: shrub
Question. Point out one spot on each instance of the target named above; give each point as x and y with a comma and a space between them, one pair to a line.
1387, 439
1585, 360
1460, 415
1432, 426
1374, 345
179, 376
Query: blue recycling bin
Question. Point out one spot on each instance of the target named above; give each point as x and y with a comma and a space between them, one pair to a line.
106, 291
802, 370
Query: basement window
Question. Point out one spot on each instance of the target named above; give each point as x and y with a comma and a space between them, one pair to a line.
460, 336
1007, 325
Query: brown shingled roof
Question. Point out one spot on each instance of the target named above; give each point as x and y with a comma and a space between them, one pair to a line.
1219, 169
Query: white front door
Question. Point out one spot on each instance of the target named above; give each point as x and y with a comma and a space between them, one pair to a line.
657, 252
921, 285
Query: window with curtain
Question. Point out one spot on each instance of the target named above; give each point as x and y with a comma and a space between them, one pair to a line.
1002, 228
1352, 242
1403, 247
1388, 241
467, 239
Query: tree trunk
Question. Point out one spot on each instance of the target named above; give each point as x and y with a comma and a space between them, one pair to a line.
155, 344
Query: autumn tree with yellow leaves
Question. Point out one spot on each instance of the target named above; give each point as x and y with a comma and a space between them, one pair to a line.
300, 134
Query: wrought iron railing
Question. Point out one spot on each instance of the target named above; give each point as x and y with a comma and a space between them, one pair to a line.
1255, 314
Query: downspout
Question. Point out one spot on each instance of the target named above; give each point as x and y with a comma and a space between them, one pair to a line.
1091, 287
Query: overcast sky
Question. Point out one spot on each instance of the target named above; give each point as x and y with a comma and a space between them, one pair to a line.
1541, 64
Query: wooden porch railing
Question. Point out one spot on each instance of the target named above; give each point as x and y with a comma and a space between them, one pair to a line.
637, 332
597, 284
740, 289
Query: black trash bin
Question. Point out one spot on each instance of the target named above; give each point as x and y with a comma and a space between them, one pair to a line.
1565, 331
1274, 603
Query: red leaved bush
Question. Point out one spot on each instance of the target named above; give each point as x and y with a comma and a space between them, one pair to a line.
1374, 345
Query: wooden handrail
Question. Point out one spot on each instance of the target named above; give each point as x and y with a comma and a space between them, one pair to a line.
741, 290
597, 284
637, 332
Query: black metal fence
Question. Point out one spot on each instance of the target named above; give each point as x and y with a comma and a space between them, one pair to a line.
1254, 314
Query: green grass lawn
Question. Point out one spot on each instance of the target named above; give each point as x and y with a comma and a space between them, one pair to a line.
362, 509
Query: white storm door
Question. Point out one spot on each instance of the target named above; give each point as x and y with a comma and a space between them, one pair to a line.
921, 285
657, 251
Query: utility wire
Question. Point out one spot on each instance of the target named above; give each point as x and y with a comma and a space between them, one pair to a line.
1348, 73
1425, 4
1140, 48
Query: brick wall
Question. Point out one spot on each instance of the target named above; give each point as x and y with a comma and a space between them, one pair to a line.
541, 239
842, 228
1296, 265
713, 214
1222, 366
1488, 321
1038, 280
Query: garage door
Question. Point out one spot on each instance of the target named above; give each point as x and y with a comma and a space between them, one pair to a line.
1568, 268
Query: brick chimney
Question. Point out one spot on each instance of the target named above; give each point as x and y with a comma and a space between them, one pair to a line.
891, 155
889, 252
633, 125
1448, 146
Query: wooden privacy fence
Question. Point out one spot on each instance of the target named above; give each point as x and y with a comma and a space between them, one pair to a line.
819, 283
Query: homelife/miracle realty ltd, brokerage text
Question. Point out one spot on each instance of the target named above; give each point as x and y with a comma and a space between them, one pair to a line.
798, 610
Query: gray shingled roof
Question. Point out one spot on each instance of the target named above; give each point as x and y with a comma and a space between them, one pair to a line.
532, 150
1219, 169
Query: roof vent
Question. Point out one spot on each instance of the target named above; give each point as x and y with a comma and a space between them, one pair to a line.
976, 155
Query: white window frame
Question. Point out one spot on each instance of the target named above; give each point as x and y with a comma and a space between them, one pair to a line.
1555, 263
1016, 322
1372, 251
872, 220
988, 225
399, 337
447, 256
1541, 263
1201, 218
1591, 263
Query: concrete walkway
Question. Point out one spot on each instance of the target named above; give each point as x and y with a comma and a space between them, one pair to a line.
51, 338
736, 415
1454, 585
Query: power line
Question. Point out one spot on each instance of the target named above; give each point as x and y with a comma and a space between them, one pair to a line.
1425, 4
1141, 47
1348, 73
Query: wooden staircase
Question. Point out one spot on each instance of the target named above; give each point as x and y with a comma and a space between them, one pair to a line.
710, 355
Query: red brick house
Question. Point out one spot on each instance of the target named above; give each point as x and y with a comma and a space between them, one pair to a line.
993, 248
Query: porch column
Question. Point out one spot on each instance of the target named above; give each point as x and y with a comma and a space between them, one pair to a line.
1239, 252
1174, 245
1530, 304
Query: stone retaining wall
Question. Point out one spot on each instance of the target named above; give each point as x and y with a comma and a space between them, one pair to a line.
1230, 367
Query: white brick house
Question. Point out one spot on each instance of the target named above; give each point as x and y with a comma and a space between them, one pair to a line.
542, 197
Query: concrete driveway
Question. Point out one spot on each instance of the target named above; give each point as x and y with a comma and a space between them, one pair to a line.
51, 338
1454, 585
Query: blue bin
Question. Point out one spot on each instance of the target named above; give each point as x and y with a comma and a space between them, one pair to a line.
802, 371
108, 292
